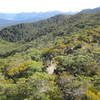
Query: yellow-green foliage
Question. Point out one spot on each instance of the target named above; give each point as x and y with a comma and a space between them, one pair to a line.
93, 95
23, 65
18, 69
33, 65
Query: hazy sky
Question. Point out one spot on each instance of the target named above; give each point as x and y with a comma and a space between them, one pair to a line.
46, 5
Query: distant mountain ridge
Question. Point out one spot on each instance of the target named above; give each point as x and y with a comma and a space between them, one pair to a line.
12, 19
58, 25
8, 19
4, 22
91, 10
27, 15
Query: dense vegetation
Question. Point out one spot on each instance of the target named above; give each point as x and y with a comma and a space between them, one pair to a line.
53, 59
56, 26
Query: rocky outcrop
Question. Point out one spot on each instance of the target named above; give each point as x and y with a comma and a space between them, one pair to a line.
51, 67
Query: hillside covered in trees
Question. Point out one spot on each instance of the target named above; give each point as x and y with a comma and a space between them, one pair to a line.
53, 59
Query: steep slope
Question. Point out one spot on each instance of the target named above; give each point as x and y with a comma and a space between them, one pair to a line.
30, 31
59, 25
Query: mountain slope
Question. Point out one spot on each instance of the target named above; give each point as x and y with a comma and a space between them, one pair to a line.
91, 10
16, 18
54, 59
58, 71
31, 31
59, 25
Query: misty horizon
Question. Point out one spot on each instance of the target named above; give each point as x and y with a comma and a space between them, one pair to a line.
48, 11
25, 6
